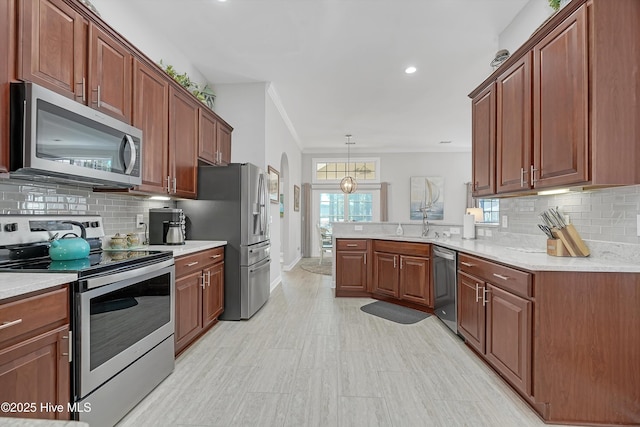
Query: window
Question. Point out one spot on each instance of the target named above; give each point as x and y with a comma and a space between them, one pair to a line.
491, 210
333, 170
340, 207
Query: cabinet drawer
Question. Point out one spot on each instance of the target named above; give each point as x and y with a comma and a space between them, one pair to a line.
29, 314
188, 264
351, 244
507, 278
212, 256
404, 248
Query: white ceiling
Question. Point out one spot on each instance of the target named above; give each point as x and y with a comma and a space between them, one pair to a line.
338, 65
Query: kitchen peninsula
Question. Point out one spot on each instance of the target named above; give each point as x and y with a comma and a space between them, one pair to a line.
563, 332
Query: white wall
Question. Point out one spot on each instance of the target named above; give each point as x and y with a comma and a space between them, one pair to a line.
129, 24
243, 107
397, 169
532, 15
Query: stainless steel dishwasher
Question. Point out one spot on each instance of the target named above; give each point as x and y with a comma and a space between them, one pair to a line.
445, 286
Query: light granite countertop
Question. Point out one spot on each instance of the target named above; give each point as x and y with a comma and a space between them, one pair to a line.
531, 259
189, 247
16, 284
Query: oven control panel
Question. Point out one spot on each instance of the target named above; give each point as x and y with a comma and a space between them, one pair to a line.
21, 229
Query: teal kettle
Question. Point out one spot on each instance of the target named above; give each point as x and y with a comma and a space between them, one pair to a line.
70, 246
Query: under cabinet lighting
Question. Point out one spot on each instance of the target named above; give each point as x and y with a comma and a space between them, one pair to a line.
560, 191
159, 198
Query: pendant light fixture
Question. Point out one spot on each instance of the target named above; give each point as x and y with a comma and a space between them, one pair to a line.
348, 184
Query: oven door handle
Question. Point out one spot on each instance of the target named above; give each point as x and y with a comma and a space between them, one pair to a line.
96, 282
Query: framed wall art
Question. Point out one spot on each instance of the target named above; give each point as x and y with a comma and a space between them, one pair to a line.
274, 185
427, 197
296, 198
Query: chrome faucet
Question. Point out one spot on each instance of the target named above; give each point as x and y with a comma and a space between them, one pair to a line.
425, 223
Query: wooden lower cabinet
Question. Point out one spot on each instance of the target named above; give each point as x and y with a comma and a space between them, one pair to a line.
494, 321
34, 355
398, 271
199, 294
386, 280
352, 272
471, 314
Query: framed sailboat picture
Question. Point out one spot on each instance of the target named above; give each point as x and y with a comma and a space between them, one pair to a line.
427, 198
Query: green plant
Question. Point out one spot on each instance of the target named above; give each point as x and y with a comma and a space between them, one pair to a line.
555, 4
203, 93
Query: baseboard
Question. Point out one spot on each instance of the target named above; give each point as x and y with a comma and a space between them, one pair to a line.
275, 283
293, 264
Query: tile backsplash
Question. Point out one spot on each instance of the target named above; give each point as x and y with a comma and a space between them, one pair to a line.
118, 211
607, 215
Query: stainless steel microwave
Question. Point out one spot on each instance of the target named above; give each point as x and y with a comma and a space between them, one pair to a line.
54, 138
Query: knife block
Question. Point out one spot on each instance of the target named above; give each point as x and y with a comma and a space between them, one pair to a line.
555, 247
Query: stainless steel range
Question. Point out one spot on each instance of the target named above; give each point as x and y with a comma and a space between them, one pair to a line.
123, 312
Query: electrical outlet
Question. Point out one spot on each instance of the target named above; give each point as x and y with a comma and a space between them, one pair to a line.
357, 227
454, 230
139, 220
505, 221
488, 233
480, 231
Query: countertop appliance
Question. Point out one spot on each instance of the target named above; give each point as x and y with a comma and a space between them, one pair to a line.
54, 138
122, 320
160, 220
445, 263
233, 205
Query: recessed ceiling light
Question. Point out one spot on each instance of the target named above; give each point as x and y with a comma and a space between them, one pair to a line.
410, 70
222, 1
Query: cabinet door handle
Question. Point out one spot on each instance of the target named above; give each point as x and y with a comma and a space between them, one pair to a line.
466, 264
208, 278
168, 184
533, 176
523, 174
70, 351
477, 292
352, 245
500, 276
175, 185
400, 263
215, 256
485, 301
6, 325
97, 101
202, 280
82, 94
191, 264
365, 258
395, 262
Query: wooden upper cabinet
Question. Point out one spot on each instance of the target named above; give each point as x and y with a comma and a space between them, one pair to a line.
483, 111
151, 114
207, 144
183, 143
6, 36
52, 47
223, 139
110, 75
513, 128
215, 139
561, 104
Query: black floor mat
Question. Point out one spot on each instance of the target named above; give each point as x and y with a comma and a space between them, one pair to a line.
395, 313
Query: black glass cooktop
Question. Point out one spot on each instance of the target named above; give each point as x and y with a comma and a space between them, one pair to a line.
95, 263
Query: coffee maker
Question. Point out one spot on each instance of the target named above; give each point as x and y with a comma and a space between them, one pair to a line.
166, 226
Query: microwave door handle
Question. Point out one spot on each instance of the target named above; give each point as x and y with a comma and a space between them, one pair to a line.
132, 158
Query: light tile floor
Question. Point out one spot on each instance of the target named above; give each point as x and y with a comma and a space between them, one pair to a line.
309, 359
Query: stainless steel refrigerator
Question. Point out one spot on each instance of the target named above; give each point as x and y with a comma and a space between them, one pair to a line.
233, 205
